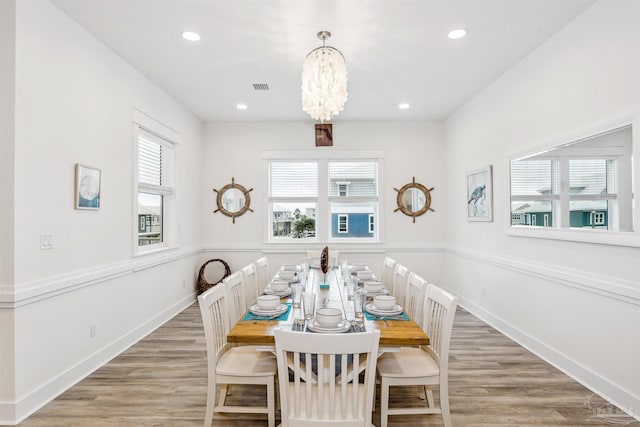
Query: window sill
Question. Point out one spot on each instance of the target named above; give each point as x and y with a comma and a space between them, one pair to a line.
154, 250
600, 237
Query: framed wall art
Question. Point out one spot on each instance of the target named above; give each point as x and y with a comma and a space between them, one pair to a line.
480, 195
87, 187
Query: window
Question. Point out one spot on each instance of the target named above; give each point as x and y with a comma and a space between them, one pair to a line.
359, 203
322, 198
293, 198
585, 184
343, 223
155, 188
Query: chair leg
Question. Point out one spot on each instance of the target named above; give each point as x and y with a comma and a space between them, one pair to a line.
444, 402
211, 400
429, 393
271, 410
224, 392
384, 403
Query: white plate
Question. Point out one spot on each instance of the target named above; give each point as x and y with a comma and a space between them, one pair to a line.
372, 294
281, 294
260, 312
314, 326
288, 279
371, 308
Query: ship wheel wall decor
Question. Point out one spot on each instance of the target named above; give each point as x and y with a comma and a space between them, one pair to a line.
414, 199
233, 200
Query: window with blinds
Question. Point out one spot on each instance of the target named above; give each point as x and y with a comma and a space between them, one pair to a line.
293, 199
576, 185
154, 187
343, 204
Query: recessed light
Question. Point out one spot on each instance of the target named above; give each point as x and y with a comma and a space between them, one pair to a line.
191, 36
457, 34
241, 106
404, 106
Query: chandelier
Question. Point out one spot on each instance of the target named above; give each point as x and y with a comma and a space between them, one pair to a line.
324, 81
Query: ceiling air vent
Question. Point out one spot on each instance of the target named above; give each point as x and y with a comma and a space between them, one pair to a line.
260, 86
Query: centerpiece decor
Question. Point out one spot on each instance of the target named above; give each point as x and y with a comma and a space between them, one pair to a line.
324, 266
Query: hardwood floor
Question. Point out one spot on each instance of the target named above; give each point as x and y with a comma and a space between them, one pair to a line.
161, 381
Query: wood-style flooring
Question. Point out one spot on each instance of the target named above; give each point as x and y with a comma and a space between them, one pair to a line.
161, 381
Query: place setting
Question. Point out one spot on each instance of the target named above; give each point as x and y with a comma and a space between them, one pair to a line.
268, 307
384, 307
328, 320
290, 276
373, 288
281, 288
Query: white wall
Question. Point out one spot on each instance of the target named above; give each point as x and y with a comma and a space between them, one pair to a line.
7, 148
410, 149
74, 103
576, 304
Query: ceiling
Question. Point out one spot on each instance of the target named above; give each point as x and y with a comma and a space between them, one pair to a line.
396, 50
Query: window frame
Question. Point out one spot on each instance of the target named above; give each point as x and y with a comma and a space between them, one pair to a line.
170, 140
323, 204
587, 235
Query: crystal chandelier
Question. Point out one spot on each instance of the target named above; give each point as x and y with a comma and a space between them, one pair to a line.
324, 81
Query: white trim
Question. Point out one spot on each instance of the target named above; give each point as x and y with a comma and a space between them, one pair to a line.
325, 153
619, 396
40, 396
621, 290
346, 223
41, 289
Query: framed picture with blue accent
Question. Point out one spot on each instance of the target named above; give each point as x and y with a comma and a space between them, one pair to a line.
480, 195
87, 187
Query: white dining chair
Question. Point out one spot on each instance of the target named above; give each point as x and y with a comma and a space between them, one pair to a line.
388, 268
333, 395
236, 300
262, 271
400, 278
229, 365
425, 366
414, 297
250, 280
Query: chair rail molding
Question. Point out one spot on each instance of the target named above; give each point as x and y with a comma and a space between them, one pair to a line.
618, 289
49, 287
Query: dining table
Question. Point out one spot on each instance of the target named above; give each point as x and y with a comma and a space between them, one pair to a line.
331, 291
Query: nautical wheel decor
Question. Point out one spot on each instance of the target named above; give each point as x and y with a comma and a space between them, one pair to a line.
233, 200
414, 199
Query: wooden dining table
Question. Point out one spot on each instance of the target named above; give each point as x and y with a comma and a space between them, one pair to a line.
393, 333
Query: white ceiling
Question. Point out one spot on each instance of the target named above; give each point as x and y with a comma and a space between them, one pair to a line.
396, 50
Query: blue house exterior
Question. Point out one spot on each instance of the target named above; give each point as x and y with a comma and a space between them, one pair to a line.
357, 225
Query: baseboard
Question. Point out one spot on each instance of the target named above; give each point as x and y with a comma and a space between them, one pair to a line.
37, 398
623, 399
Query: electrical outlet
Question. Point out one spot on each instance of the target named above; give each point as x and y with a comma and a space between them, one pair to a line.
46, 241
92, 330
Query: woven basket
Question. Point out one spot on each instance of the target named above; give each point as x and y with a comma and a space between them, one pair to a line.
203, 285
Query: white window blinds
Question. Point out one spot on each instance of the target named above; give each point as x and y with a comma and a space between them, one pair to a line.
531, 177
293, 179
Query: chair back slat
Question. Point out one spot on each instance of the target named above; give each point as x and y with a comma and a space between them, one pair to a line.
262, 272
215, 320
414, 298
400, 277
236, 301
388, 269
250, 279
325, 384
439, 312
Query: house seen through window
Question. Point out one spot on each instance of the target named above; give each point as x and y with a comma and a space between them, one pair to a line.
304, 206
586, 184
